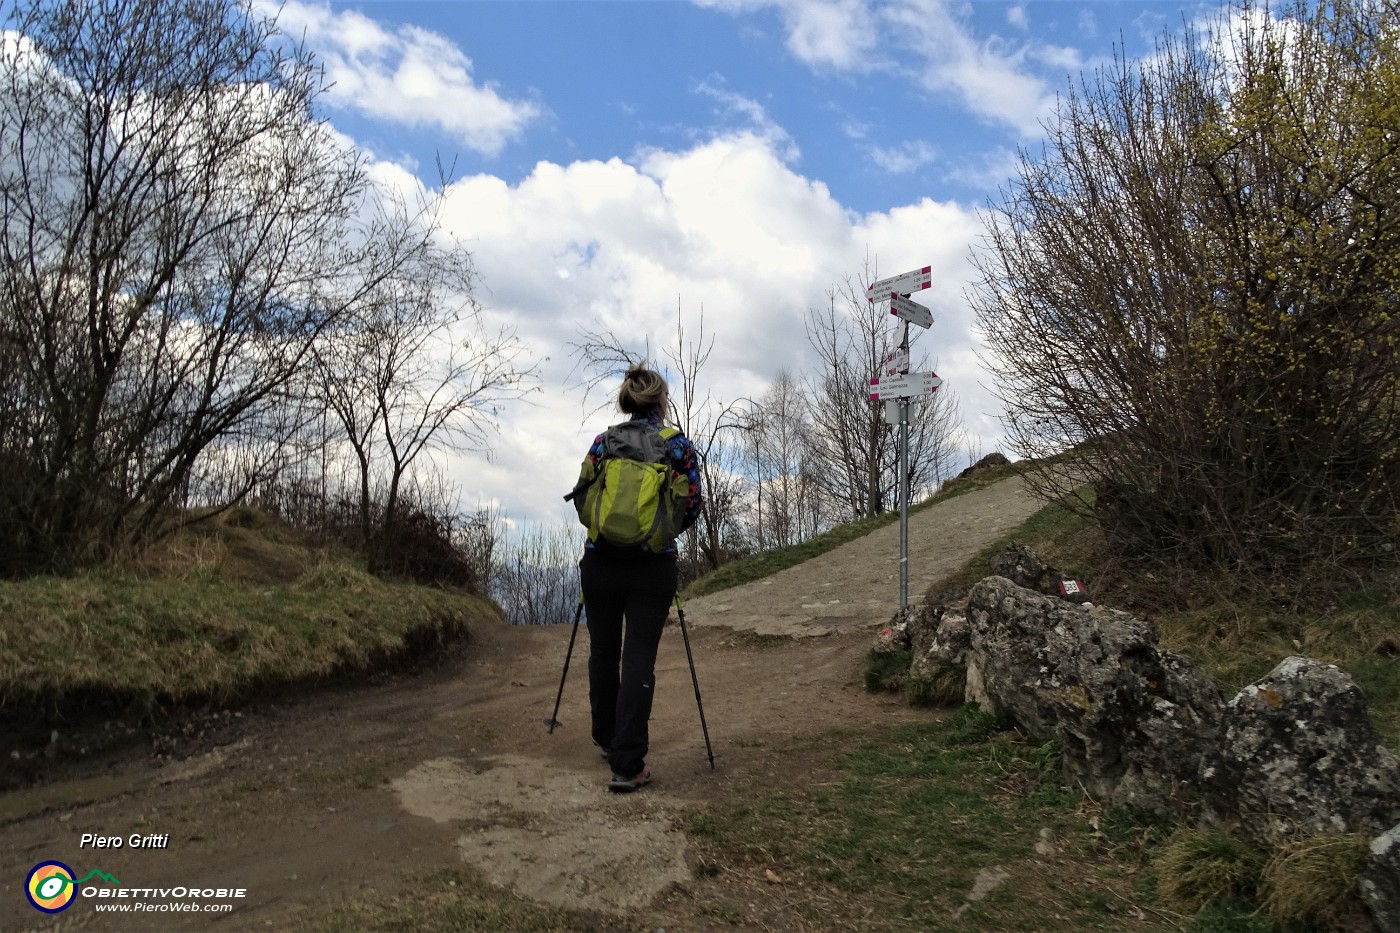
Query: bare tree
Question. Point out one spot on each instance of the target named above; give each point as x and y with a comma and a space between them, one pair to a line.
779, 428
711, 424
176, 231
1192, 290
415, 369
535, 575
852, 453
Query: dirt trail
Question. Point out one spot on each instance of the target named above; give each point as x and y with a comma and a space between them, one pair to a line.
352, 791
851, 587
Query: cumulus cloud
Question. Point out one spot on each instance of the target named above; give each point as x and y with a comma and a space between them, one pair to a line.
725, 229
409, 75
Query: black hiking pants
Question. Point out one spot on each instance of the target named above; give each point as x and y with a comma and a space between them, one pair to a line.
626, 595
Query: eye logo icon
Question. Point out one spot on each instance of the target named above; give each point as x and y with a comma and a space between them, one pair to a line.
50, 887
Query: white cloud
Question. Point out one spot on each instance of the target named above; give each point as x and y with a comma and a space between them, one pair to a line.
408, 76
990, 75
838, 34
905, 158
989, 172
726, 226
1088, 23
999, 81
752, 115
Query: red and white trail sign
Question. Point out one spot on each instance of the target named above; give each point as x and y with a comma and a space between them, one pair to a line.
901, 284
905, 385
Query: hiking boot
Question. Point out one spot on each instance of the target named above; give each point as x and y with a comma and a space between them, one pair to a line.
603, 750
625, 785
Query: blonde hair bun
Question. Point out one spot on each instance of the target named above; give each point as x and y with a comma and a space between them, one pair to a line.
643, 392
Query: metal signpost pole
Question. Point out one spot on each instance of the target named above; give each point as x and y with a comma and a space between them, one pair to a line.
904, 483
897, 382
903, 503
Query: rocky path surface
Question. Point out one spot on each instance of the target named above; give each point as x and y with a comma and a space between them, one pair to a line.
360, 792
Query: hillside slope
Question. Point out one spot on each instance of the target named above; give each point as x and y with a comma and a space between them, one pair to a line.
856, 585
346, 801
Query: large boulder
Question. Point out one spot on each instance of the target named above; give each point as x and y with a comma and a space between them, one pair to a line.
1298, 753
1380, 885
993, 459
1023, 567
1135, 721
935, 635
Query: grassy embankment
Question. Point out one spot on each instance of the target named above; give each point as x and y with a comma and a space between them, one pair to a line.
221, 613
758, 566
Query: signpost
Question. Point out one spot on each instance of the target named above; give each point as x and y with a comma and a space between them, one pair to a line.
904, 283
896, 385
904, 385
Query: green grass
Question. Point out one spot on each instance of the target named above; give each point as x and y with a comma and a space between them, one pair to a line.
117, 638
893, 833
915, 815
758, 566
886, 671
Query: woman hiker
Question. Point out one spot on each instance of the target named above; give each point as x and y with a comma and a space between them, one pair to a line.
628, 589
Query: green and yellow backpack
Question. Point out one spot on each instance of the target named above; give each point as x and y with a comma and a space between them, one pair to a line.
632, 497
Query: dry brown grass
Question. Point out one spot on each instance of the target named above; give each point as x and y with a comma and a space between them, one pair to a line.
1197, 866
1312, 880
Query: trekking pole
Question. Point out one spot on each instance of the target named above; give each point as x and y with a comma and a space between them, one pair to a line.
685, 637
553, 721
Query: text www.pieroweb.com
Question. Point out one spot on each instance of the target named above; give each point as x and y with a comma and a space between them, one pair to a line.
144, 900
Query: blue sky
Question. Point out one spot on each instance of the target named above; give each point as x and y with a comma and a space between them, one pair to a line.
617, 161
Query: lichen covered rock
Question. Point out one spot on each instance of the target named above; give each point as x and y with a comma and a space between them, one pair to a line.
1298, 753
1135, 721
1380, 885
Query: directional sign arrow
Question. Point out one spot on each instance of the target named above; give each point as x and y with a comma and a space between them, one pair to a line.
902, 284
910, 311
905, 385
